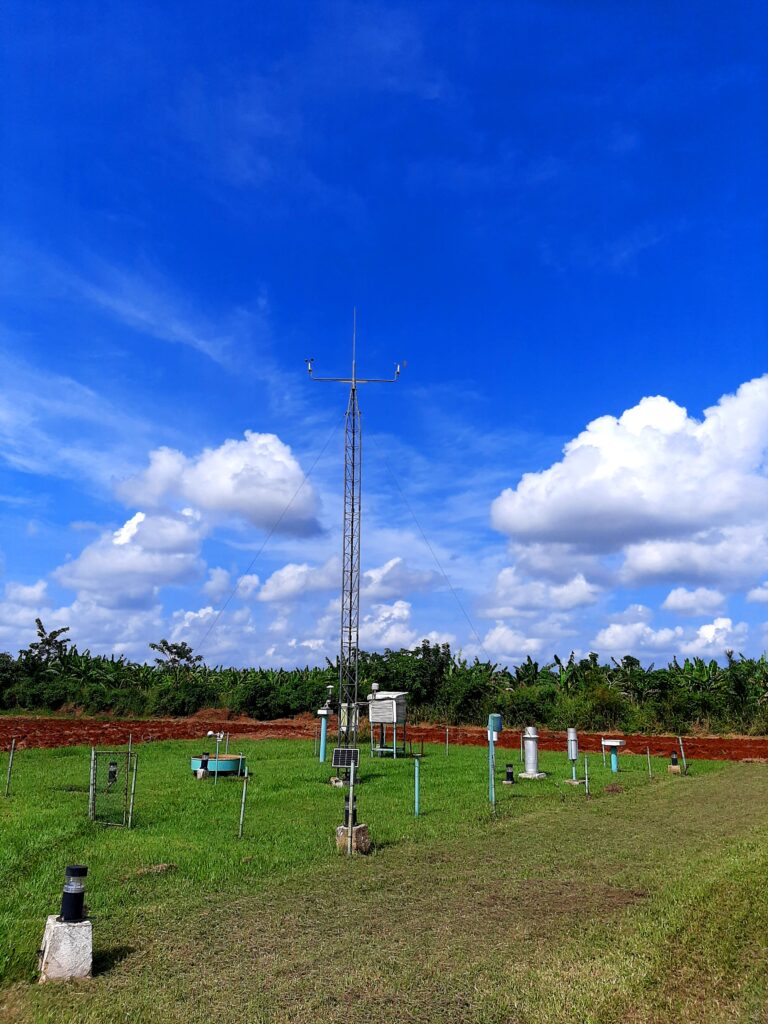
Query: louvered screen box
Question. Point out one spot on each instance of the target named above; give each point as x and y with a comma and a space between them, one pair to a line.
388, 707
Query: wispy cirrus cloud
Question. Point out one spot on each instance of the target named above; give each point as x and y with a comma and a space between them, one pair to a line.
53, 425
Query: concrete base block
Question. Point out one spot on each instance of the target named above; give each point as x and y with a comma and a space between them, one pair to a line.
361, 840
67, 950
336, 781
202, 773
674, 769
574, 782
531, 775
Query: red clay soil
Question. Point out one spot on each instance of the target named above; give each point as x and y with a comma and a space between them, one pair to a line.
63, 732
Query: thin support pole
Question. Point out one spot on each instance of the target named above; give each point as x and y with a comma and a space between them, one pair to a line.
521, 748
586, 776
491, 771
130, 743
323, 737
602, 747
133, 787
682, 754
446, 741
416, 790
648, 755
242, 804
10, 767
92, 787
216, 771
226, 748
351, 808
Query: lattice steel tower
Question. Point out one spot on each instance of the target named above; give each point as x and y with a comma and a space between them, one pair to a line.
350, 573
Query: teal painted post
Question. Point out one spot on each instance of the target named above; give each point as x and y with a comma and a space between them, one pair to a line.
491, 762
614, 760
416, 792
323, 737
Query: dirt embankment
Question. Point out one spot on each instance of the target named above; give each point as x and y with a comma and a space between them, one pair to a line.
62, 732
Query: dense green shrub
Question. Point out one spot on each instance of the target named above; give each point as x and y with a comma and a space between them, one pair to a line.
51, 675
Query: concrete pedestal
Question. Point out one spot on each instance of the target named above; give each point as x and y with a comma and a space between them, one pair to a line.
531, 775
361, 840
67, 950
674, 769
202, 773
574, 782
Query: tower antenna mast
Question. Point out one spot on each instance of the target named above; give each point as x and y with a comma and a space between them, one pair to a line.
350, 574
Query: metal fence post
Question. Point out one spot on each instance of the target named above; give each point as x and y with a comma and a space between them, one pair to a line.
10, 767
242, 804
133, 786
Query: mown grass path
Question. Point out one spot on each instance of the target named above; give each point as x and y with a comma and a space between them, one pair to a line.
644, 906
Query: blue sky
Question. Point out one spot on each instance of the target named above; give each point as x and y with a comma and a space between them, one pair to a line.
554, 212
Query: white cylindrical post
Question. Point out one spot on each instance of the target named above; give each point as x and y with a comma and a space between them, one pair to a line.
242, 805
351, 808
682, 754
531, 748
92, 786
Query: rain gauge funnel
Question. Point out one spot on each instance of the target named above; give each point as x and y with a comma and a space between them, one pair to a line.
573, 756
531, 748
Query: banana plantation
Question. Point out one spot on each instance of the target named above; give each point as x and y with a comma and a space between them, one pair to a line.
732, 696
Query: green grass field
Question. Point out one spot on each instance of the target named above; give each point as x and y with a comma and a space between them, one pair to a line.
644, 905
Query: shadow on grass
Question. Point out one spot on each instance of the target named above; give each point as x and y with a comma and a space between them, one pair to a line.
106, 959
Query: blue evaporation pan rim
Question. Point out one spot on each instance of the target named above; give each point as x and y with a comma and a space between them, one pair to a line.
228, 764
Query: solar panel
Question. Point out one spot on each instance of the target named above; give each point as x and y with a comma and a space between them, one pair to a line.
345, 757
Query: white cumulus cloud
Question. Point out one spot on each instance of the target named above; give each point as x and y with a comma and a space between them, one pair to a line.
652, 473
631, 637
510, 645
218, 583
693, 602
27, 595
514, 593
295, 579
257, 479
714, 638
395, 578
129, 566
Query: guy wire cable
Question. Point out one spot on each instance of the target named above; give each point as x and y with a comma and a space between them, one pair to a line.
442, 571
268, 537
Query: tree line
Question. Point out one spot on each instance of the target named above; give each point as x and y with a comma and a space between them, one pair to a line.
53, 675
